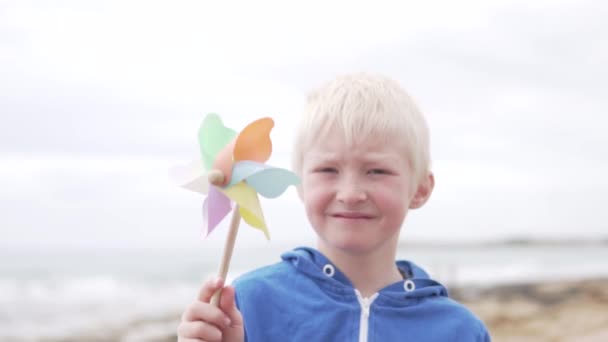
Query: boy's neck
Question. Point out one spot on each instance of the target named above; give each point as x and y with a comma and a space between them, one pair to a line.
368, 273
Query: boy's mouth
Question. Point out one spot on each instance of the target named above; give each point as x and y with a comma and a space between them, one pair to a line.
352, 216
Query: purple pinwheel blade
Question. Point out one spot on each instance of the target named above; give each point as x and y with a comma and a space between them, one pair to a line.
215, 208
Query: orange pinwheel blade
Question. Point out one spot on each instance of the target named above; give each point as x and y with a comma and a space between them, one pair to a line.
253, 143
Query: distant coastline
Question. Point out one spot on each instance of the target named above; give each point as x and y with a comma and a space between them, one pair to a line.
508, 242
38, 248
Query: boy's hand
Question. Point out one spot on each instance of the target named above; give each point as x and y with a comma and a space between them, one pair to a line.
204, 322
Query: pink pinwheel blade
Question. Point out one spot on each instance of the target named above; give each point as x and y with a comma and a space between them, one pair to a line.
215, 208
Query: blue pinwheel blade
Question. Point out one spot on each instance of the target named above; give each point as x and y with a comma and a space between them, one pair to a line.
272, 182
268, 181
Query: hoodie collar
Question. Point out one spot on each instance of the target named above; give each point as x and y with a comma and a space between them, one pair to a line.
320, 269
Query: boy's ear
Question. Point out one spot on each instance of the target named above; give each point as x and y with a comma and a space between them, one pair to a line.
423, 193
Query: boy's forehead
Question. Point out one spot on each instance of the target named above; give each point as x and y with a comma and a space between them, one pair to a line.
331, 149
365, 155
333, 143
336, 140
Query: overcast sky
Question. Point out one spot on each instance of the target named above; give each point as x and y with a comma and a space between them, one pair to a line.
97, 101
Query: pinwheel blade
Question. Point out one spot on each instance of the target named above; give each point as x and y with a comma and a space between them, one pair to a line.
192, 176
249, 205
215, 208
253, 220
253, 143
243, 169
223, 162
268, 181
272, 182
213, 136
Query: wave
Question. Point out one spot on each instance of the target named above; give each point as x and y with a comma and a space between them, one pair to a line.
58, 308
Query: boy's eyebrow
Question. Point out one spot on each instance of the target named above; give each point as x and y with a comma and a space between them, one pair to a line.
322, 157
372, 158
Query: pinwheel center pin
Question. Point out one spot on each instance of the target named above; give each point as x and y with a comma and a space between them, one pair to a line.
232, 169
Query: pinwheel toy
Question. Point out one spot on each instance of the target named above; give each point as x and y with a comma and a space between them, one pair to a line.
232, 169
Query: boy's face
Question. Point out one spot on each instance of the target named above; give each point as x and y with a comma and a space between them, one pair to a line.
356, 197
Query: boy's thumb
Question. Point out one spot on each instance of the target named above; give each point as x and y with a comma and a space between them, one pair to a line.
228, 305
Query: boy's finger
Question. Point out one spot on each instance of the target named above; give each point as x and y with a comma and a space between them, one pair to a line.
209, 288
199, 330
206, 312
228, 305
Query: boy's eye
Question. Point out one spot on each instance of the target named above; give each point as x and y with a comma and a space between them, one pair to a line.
378, 171
327, 170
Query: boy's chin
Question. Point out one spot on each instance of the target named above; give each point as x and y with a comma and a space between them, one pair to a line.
349, 246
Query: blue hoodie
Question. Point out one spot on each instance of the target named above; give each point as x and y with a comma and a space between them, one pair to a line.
306, 298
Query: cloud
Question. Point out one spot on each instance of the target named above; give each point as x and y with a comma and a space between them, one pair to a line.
97, 101
508, 69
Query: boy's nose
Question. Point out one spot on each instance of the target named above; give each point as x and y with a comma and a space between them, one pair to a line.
351, 193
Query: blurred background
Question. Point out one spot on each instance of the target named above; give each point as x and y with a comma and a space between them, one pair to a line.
99, 99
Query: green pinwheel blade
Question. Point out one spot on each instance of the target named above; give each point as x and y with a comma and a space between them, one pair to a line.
212, 137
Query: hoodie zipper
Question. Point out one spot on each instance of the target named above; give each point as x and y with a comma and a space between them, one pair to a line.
365, 303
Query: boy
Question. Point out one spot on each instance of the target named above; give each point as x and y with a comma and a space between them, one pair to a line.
362, 152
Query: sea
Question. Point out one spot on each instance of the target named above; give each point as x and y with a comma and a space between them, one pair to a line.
55, 294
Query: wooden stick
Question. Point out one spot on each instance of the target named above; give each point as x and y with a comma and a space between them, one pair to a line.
228, 248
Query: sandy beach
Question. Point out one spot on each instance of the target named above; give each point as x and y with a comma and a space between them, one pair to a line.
550, 311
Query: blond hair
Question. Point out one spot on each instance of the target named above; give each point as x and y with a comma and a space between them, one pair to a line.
361, 106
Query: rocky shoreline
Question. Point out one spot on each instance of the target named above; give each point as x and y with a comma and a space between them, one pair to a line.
552, 311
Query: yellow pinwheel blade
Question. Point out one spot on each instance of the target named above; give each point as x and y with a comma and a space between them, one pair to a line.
254, 221
249, 205
253, 143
